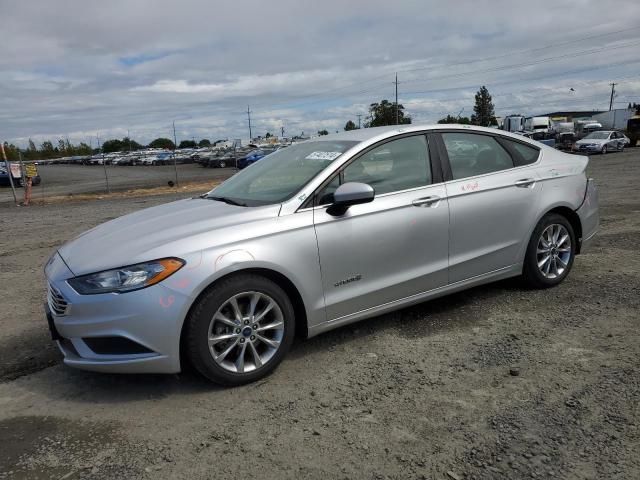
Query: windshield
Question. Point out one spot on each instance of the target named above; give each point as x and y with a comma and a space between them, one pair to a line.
278, 176
598, 135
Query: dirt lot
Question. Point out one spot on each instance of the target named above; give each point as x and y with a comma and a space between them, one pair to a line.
496, 382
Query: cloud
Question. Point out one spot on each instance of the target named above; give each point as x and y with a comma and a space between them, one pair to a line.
75, 68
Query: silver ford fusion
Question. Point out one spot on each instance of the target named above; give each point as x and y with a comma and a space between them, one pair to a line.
312, 237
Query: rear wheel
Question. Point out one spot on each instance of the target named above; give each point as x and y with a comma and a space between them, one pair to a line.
550, 253
240, 330
604, 150
222, 164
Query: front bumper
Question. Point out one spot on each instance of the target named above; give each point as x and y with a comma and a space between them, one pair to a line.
587, 148
147, 322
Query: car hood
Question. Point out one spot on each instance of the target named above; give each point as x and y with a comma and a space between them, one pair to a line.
151, 233
593, 141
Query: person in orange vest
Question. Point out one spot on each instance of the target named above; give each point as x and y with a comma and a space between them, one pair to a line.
30, 172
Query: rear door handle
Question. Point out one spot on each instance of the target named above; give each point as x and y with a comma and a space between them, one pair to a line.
525, 182
431, 201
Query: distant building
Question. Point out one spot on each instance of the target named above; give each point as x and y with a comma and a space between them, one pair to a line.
570, 116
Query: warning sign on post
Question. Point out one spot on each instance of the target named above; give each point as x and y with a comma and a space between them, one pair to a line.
30, 170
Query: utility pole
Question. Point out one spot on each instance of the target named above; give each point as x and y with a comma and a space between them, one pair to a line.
613, 92
359, 115
397, 112
249, 117
175, 142
282, 131
9, 173
129, 140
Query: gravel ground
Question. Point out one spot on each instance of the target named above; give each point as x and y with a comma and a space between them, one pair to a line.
74, 179
497, 382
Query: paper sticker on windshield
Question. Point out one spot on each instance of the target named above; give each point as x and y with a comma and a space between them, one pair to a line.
323, 155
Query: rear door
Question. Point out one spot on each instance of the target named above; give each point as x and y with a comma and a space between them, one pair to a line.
393, 247
493, 195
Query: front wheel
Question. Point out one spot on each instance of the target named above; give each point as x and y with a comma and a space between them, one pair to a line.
550, 253
604, 150
222, 164
240, 330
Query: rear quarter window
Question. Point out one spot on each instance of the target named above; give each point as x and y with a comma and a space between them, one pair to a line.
528, 154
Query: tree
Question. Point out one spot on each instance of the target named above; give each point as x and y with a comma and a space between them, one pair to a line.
323, 132
162, 143
384, 113
268, 135
350, 126
484, 110
128, 144
204, 143
458, 120
113, 145
47, 149
187, 144
11, 151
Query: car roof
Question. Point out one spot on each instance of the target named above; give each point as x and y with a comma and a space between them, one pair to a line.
379, 133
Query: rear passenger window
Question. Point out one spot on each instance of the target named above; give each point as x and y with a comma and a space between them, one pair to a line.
529, 154
472, 154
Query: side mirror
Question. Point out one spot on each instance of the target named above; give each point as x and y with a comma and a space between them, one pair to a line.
347, 194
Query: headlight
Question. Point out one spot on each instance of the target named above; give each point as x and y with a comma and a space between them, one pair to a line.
125, 279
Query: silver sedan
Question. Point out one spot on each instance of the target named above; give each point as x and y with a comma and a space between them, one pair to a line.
315, 236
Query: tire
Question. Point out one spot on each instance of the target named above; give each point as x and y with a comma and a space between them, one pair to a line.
604, 150
535, 276
205, 322
222, 164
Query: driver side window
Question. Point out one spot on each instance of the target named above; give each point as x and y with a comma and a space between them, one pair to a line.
393, 166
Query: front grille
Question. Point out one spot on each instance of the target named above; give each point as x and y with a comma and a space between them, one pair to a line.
57, 302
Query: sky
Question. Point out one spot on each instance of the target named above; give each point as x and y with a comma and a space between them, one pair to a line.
85, 70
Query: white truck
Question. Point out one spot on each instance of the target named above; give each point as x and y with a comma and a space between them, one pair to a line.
537, 124
513, 123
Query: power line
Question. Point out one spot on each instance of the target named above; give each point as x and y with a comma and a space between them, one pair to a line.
462, 74
407, 70
531, 50
535, 62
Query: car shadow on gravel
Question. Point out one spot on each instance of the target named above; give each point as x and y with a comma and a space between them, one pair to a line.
459, 310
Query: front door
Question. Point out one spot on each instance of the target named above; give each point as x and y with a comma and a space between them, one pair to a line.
393, 247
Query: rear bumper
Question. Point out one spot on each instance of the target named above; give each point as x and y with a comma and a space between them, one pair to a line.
589, 215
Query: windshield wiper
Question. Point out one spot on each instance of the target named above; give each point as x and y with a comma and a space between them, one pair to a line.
228, 200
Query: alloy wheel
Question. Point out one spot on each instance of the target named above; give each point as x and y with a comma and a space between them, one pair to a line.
553, 252
246, 332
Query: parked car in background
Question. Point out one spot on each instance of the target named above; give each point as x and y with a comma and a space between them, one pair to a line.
313, 237
17, 182
222, 161
602, 141
251, 157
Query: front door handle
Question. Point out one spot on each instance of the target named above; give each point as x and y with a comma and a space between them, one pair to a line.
525, 183
431, 201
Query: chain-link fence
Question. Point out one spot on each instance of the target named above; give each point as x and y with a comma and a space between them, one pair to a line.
85, 177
